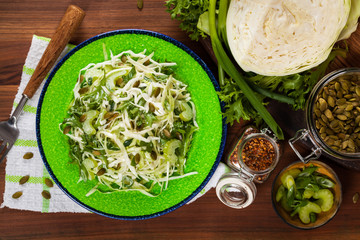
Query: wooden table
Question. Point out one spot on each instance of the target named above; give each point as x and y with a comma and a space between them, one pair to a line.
206, 218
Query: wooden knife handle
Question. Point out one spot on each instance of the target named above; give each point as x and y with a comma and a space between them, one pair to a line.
68, 25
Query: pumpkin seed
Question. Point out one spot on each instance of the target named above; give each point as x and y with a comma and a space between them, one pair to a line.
17, 195
322, 130
115, 115
329, 114
355, 198
167, 133
151, 107
339, 110
324, 118
317, 112
82, 118
136, 84
344, 85
349, 107
83, 90
153, 155
48, 182
329, 131
344, 144
81, 78
108, 115
337, 86
331, 101
46, 194
96, 152
357, 90
28, 155
323, 104
102, 171
341, 135
179, 136
341, 117
67, 129
137, 158
339, 94
140, 4
332, 93
119, 81
156, 92
24, 179
357, 119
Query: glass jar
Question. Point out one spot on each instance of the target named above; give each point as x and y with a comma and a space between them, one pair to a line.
252, 158
314, 135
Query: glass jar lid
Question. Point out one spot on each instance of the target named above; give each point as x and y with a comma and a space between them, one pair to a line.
236, 190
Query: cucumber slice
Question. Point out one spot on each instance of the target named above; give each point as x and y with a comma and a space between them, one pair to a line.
292, 172
113, 77
304, 212
280, 193
186, 114
169, 150
308, 193
325, 199
88, 124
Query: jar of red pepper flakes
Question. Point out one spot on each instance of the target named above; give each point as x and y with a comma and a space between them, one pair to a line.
253, 156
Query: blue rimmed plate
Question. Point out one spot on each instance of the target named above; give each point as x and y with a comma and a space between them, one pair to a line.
207, 146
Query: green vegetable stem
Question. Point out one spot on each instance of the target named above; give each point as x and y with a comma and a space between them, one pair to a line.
232, 71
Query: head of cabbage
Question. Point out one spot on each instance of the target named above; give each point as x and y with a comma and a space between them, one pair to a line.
283, 37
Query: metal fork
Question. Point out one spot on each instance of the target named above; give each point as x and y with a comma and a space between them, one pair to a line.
69, 23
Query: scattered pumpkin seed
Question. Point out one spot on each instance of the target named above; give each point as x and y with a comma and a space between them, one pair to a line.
24, 179
28, 155
48, 182
46, 194
17, 194
355, 197
140, 4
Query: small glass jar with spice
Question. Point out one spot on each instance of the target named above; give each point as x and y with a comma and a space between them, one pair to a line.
253, 156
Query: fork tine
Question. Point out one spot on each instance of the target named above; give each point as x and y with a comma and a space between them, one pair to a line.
6, 152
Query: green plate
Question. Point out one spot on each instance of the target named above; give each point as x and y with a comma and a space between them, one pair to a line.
207, 145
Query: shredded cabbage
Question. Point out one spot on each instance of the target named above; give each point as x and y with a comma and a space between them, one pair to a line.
130, 124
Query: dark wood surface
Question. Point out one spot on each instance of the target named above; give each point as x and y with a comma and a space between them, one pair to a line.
206, 218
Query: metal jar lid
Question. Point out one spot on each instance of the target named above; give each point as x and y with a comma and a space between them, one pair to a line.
236, 190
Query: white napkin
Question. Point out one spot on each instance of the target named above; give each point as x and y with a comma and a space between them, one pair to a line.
17, 166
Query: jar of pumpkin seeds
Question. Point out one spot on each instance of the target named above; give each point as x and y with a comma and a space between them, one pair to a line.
333, 117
